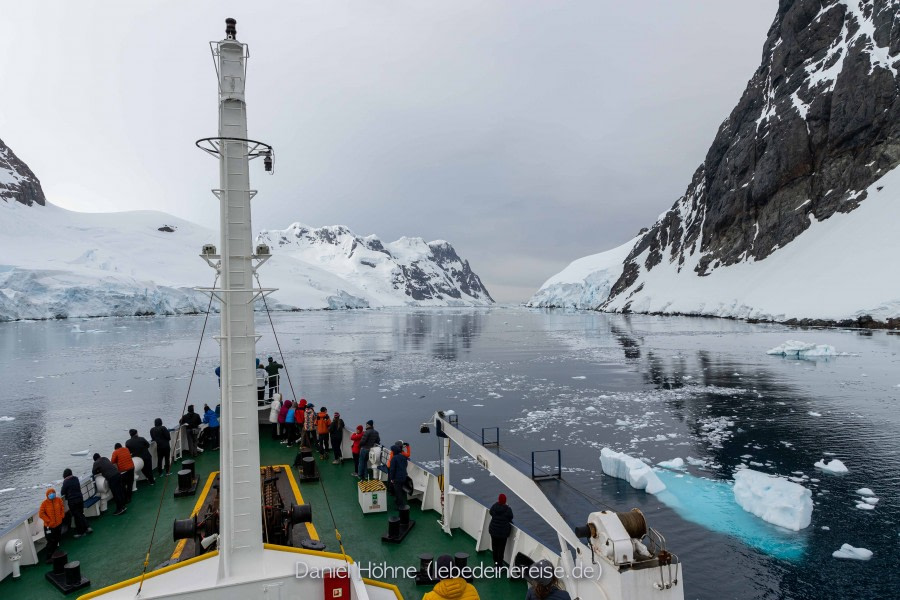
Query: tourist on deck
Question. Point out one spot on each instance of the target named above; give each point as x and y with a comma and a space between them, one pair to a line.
121, 458
451, 585
51, 513
370, 438
160, 434
406, 451
274, 410
191, 422
261, 377
219, 375
282, 420
309, 426
544, 583
500, 528
355, 437
272, 369
103, 466
397, 474
336, 432
323, 422
71, 493
212, 431
140, 447
290, 424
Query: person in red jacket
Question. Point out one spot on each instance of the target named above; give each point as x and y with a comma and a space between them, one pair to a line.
355, 437
121, 458
51, 513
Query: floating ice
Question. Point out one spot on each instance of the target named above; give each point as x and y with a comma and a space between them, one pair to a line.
675, 463
468, 480
697, 462
865, 506
872, 501
4, 490
579, 377
797, 349
2, 419
848, 551
773, 499
79, 453
833, 466
814, 414
632, 470
865, 492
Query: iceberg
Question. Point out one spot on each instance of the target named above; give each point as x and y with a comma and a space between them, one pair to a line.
773, 499
833, 466
848, 551
636, 472
796, 349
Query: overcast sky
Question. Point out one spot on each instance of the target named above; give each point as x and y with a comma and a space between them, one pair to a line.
528, 134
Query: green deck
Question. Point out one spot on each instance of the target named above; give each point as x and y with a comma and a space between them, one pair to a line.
116, 549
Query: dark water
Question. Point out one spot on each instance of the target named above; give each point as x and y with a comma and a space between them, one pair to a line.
657, 388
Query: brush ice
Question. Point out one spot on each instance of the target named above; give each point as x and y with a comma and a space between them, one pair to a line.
636, 472
675, 463
848, 551
802, 349
773, 499
833, 466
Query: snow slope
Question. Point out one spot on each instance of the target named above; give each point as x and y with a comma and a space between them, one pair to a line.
57, 263
840, 268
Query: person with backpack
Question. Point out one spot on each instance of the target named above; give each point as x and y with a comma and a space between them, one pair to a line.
336, 432
323, 422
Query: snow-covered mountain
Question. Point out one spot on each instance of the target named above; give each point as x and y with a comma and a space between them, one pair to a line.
55, 263
791, 215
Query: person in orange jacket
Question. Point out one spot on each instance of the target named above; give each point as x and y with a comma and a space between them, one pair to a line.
323, 422
451, 585
51, 513
121, 458
407, 450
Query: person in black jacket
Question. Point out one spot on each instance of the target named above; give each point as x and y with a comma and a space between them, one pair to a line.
103, 466
71, 493
191, 422
336, 431
369, 440
140, 447
272, 369
500, 528
397, 474
160, 435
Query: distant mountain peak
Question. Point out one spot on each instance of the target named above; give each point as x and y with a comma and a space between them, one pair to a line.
17, 181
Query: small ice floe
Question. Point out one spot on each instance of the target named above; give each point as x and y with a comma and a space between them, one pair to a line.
2, 419
865, 492
848, 551
814, 414
591, 408
832, 466
675, 463
4, 490
579, 377
865, 506
826, 528
696, 462
632, 470
127, 391
79, 453
773, 499
468, 480
872, 501
796, 349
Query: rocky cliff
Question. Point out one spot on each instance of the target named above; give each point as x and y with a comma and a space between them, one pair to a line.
17, 182
816, 128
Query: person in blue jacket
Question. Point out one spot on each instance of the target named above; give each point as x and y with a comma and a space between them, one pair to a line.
397, 474
212, 432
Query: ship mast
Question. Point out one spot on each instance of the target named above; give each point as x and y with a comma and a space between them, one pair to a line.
240, 528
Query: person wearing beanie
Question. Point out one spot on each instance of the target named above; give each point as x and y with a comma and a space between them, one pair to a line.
71, 493
191, 422
355, 437
369, 440
160, 434
51, 513
121, 458
309, 426
397, 474
450, 585
336, 433
500, 528
290, 423
140, 447
103, 466
323, 422
544, 583
212, 430
261, 378
274, 409
272, 368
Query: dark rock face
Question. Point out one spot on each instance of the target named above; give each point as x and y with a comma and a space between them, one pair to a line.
818, 123
17, 182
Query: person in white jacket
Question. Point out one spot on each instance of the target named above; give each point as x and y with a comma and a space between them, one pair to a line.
261, 377
274, 409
